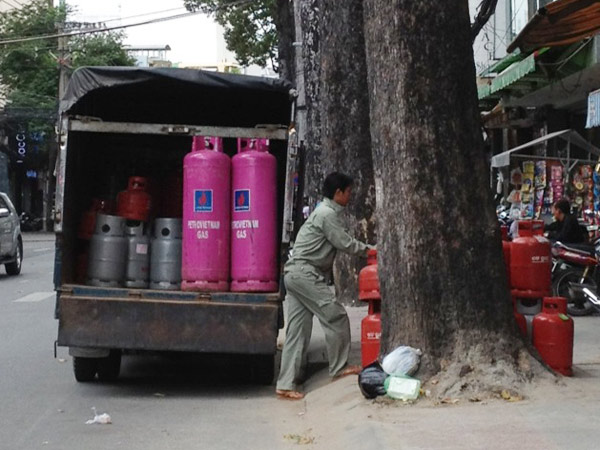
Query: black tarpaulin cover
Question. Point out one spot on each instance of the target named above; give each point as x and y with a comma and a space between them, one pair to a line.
177, 96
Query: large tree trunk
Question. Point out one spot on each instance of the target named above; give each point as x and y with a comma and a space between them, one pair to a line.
311, 51
285, 25
345, 135
443, 283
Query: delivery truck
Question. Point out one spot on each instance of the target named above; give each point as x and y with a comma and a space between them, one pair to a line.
117, 123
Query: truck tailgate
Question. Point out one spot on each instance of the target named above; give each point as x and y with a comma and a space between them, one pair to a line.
168, 321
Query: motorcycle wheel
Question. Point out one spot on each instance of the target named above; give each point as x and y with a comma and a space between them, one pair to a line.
560, 288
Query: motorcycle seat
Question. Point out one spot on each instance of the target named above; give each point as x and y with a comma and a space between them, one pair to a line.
584, 249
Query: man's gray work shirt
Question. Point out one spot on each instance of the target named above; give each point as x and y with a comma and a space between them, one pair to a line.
321, 236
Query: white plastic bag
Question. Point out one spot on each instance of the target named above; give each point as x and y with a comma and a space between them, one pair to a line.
103, 419
402, 361
402, 387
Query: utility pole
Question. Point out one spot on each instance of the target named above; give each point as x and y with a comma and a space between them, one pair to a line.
63, 79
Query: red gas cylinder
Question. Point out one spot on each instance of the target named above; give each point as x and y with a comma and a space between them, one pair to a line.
368, 291
553, 335
368, 281
521, 323
506, 251
171, 196
370, 336
135, 202
528, 228
88, 221
531, 265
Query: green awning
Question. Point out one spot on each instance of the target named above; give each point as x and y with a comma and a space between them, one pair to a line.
499, 66
513, 73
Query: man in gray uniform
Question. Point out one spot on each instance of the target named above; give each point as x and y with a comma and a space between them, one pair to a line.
308, 294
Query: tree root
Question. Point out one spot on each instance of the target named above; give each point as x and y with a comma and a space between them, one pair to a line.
501, 367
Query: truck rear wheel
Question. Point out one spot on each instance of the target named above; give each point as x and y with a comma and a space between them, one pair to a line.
110, 367
84, 368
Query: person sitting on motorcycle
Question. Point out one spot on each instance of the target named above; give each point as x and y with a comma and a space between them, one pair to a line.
565, 228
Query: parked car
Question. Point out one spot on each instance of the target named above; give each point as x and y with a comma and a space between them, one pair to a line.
11, 242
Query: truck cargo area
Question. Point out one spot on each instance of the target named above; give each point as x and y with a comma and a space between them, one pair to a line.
120, 123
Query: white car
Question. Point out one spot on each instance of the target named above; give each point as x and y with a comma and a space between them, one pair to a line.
11, 241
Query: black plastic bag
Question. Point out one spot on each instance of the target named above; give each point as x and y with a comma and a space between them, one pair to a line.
371, 379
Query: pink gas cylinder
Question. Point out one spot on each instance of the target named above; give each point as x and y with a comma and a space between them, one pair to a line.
254, 218
206, 217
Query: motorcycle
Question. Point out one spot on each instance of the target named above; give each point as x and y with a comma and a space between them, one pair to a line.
30, 223
575, 275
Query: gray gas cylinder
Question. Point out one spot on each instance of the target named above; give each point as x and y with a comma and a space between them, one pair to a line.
108, 252
137, 272
165, 260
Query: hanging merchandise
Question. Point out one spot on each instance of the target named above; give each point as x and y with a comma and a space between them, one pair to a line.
516, 177
596, 179
514, 196
540, 174
556, 181
539, 203
206, 216
254, 218
528, 167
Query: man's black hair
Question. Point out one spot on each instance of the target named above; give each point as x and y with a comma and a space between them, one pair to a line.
563, 205
335, 181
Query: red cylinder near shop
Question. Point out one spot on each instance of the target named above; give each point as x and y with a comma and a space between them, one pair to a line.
531, 264
368, 280
134, 203
370, 338
368, 291
553, 334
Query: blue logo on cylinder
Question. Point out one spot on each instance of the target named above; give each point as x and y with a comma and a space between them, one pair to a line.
241, 200
203, 200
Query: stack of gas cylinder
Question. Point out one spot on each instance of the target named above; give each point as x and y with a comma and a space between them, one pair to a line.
541, 319
228, 237
368, 291
121, 252
229, 217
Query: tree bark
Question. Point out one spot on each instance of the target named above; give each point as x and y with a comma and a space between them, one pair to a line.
443, 284
311, 51
285, 25
345, 135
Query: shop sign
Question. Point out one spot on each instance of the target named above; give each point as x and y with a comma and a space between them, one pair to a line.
593, 113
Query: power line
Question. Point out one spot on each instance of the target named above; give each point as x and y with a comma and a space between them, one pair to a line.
120, 27
12, 4
141, 15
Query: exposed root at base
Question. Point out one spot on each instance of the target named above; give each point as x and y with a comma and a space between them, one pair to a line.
499, 368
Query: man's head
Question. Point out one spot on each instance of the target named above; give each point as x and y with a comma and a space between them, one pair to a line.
560, 209
338, 187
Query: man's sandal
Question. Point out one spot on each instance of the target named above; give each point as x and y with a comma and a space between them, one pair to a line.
348, 370
284, 394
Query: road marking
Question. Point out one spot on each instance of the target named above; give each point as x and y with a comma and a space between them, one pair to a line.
39, 250
34, 297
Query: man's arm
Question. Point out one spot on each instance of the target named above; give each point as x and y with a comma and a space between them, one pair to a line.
340, 239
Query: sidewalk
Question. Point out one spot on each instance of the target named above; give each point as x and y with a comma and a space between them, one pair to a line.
38, 236
554, 415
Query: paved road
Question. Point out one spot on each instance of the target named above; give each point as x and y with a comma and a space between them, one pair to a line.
158, 402
187, 403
